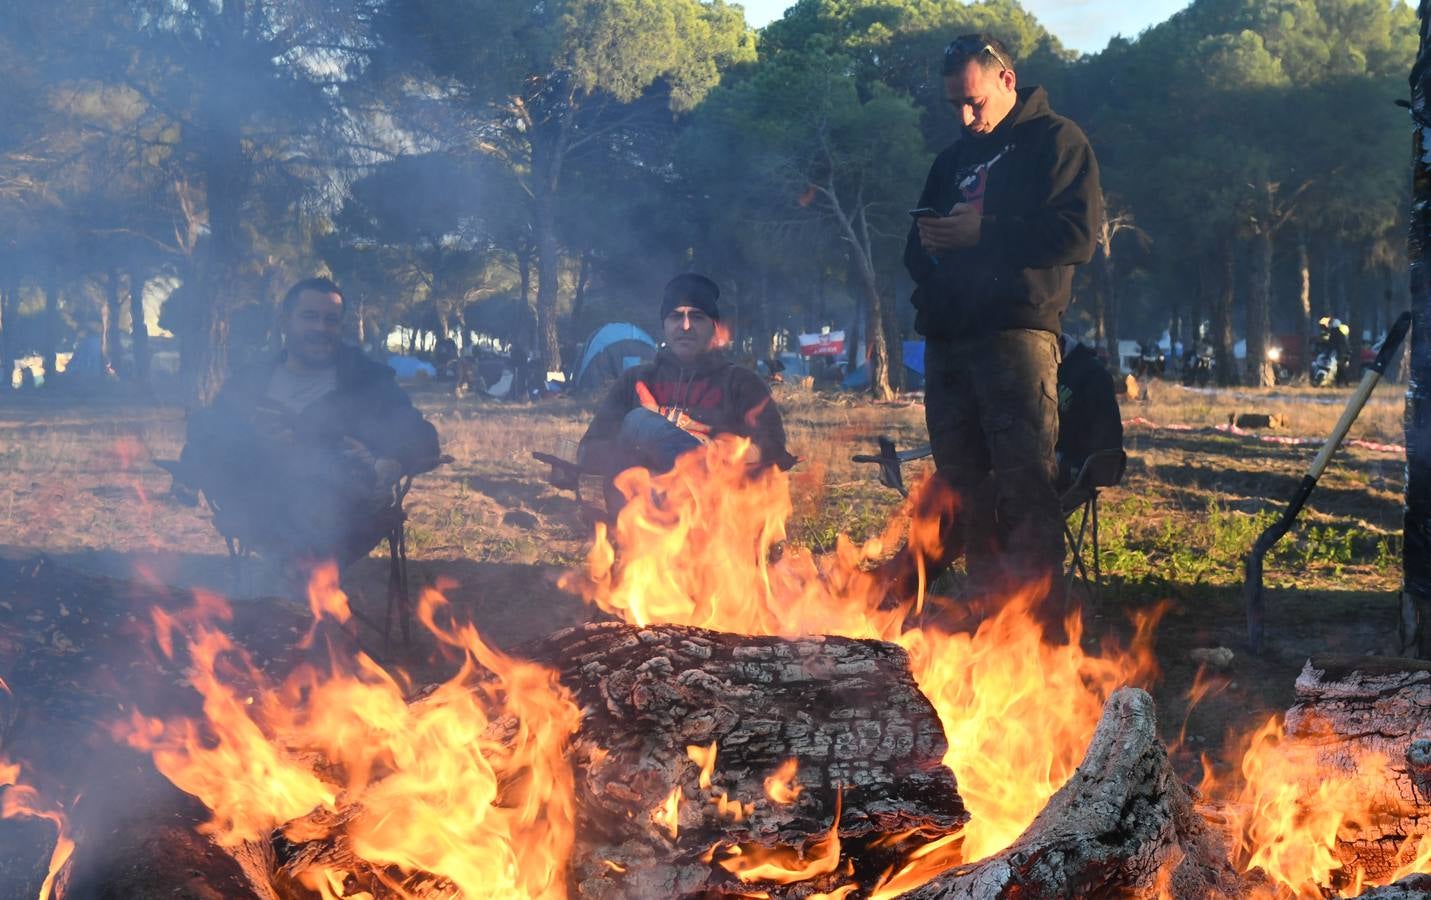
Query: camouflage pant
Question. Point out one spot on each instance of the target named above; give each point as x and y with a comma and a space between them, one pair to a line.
992, 411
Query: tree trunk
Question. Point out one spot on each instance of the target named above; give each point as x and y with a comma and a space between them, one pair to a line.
1122, 826
1192, 326
225, 179
894, 342
138, 327
1259, 299
1356, 320
1416, 543
856, 234
1350, 707
1112, 310
547, 347
1304, 305
1100, 311
875, 341
583, 273
1221, 337
113, 349
52, 329
9, 301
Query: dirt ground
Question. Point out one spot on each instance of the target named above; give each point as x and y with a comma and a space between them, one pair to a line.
91, 537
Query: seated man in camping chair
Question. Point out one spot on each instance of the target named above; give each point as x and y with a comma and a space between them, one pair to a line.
690, 393
305, 456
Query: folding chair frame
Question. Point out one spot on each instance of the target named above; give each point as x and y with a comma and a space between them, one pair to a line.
1093, 475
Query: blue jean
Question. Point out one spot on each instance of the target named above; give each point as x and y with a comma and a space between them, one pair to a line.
652, 441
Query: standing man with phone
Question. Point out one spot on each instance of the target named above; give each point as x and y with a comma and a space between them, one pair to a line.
1006, 213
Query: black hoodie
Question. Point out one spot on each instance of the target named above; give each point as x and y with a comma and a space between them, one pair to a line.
1036, 180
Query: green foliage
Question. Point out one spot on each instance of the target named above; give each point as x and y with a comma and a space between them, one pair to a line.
1139, 544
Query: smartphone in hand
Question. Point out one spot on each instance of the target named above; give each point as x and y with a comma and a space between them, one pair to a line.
924, 212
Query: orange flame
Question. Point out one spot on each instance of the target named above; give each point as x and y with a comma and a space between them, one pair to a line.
1290, 810
668, 814
23, 801
1017, 708
781, 787
786, 865
468, 782
704, 757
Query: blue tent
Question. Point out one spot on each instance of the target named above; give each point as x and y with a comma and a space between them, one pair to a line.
407, 367
612, 349
859, 379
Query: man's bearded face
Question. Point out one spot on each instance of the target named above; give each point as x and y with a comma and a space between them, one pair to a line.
312, 329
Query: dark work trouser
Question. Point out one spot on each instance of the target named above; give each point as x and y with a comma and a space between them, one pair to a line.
992, 411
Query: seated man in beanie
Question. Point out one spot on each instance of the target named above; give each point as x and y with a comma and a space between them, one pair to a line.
300, 455
689, 393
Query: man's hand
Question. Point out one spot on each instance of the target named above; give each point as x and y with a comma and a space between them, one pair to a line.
697, 429
958, 229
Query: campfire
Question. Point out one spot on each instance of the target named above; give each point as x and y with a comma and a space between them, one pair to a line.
757, 721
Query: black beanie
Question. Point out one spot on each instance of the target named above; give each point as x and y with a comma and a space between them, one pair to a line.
690, 289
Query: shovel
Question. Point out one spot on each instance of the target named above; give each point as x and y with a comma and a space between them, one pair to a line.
1252, 585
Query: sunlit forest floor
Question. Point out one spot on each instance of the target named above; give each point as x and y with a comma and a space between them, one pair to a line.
79, 493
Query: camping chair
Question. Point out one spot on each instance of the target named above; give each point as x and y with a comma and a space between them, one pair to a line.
566, 475
244, 538
1102, 469
891, 462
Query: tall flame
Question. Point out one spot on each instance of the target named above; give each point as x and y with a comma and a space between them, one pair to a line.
22, 801
468, 782
703, 545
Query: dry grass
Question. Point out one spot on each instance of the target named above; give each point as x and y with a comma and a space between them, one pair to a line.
79, 478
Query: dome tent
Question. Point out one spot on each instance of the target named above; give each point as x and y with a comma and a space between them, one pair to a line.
612, 349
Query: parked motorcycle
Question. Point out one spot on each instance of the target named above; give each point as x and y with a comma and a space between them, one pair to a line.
1281, 374
1198, 366
1325, 365
1150, 361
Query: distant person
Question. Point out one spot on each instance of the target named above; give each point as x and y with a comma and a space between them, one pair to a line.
301, 454
690, 393
1006, 213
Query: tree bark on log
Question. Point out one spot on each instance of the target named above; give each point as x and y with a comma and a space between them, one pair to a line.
1354, 706
848, 711
1123, 825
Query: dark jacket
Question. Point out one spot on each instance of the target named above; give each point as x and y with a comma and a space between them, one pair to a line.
1036, 181
1089, 419
367, 406
730, 399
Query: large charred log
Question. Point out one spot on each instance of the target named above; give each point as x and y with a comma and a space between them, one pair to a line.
1122, 826
1352, 707
847, 711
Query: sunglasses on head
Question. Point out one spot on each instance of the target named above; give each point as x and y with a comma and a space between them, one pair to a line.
968, 47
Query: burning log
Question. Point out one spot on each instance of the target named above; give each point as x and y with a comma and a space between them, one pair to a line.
686, 742
802, 764
1372, 716
1122, 826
